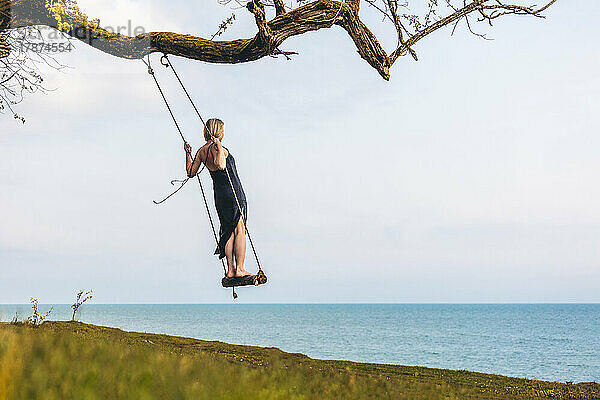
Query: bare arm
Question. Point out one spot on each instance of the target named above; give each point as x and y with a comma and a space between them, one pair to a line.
192, 167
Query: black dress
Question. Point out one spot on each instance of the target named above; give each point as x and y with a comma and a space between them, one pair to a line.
227, 207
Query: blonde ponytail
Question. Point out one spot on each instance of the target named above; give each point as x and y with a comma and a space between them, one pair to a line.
214, 128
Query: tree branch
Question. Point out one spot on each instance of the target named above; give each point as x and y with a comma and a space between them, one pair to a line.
318, 14
310, 17
279, 7
498, 9
433, 27
4, 21
4, 47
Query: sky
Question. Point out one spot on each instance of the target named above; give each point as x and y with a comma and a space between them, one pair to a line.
472, 176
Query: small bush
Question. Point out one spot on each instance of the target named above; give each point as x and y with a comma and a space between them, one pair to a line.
36, 319
82, 297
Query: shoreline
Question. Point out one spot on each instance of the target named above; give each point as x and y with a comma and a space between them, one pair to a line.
271, 360
548, 342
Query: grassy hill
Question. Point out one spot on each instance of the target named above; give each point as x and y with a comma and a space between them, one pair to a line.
71, 360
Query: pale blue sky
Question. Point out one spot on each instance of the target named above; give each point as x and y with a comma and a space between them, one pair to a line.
472, 176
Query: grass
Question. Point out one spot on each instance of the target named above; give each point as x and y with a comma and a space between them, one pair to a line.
72, 360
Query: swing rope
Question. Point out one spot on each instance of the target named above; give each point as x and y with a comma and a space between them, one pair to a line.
184, 181
212, 225
260, 271
151, 72
181, 182
164, 60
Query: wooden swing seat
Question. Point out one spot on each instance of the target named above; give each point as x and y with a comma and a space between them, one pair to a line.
249, 280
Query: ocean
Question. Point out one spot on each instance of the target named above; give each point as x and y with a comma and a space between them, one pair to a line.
543, 341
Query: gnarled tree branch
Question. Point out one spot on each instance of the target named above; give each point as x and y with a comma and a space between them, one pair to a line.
318, 14
310, 17
279, 7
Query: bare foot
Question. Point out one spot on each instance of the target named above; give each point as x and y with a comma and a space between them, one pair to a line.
242, 272
230, 274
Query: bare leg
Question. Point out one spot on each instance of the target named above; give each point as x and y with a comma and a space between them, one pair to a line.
239, 249
230, 256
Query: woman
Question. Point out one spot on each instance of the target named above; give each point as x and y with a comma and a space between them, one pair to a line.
220, 163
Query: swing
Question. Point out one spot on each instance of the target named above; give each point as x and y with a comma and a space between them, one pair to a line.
260, 278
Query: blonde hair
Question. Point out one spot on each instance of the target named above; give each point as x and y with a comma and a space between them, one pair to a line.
213, 128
